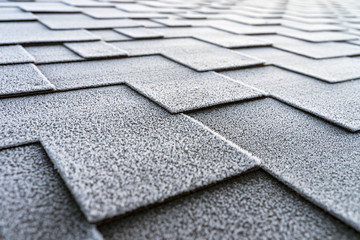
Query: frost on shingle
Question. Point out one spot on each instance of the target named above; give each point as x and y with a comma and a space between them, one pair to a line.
52, 53
312, 50
114, 13
117, 151
79, 21
316, 36
15, 14
98, 49
34, 202
44, 7
337, 103
14, 54
87, 3
214, 36
310, 27
109, 35
192, 53
34, 32
332, 70
139, 33
316, 159
21, 79
252, 206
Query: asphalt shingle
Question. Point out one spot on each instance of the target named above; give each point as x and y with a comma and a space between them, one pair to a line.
117, 151
15, 14
195, 54
79, 21
14, 54
33, 32
325, 36
214, 36
21, 79
95, 50
35, 204
139, 33
253, 206
331, 70
52, 54
311, 27
48, 8
316, 159
312, 50
109, 35
337, 103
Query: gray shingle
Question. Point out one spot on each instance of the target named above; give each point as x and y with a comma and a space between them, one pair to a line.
306, 19
15, 14
139, 33
337, 103
253, 206
330, 70
48, 8
130, 7
79, 21
14, 54
310, 27
214, 36
22, 78
325, 36
117, 151
316, 159
109, 35
95, 49
87, 3
52, 54
113, 13
33, 32
313, 50
35, 203
192, 53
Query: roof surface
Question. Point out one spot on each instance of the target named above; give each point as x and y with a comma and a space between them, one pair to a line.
144, 119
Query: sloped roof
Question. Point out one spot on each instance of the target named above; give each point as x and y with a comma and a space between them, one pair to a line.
144, 119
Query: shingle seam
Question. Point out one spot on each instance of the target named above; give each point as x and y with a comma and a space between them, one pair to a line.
254, 157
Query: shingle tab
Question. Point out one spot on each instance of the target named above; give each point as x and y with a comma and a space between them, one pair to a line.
316, 159
130, 152
79, 21
310, 27
215, 36
15, 14
48, 8
52, 54
192, 53
14, 54
312, 50
331, 70
316, 36
33, 32
35, 203
253, 206
22, 78
95, 49
337, 103
109, 35
139, 33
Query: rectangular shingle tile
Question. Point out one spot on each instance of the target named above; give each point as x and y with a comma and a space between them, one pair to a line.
113, 13
79, 21
311, 20
48, 8
33, 32
130, 152
95, 49
52, 53
330, 70
195, 54
313, 50
87, 3
139, 33
15, 14
22, 78
109, 35
337, 103
316, 159
130, 7
252, 206
309, 27
251, 21
14, 54
325, 36
35, 203
214, 36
